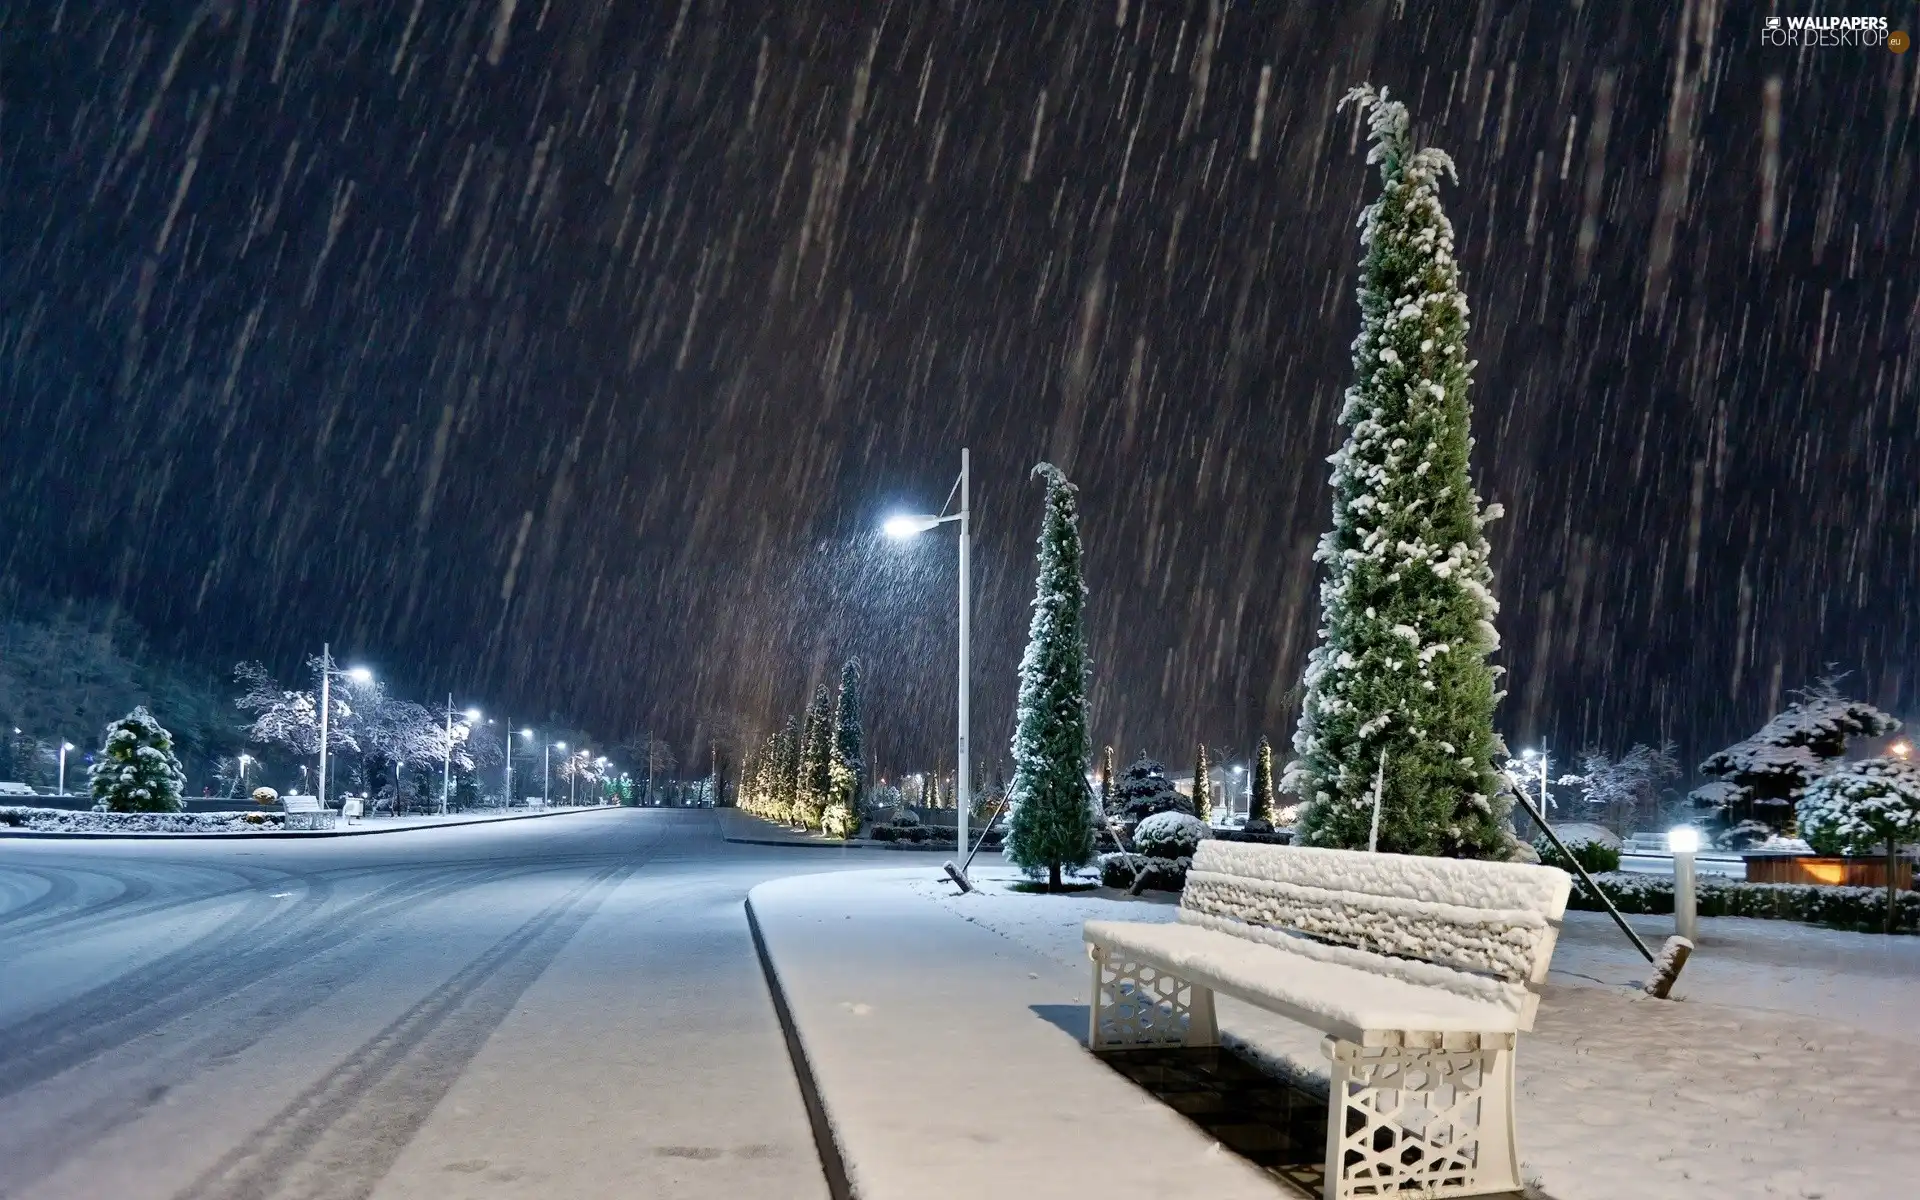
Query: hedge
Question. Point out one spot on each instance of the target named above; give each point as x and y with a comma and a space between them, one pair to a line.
1860, 908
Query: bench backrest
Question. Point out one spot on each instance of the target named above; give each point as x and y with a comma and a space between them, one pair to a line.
1498, 921
300, 804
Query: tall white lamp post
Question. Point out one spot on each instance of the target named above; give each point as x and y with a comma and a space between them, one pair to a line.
525, 735
546, 773
1684, 841
905, 527
64, 747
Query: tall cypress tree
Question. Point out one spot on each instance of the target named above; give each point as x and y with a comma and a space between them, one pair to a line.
1202, 785
815, 787
1106, 778
1052, 823
1262, 807
785, 770
1407, 604
848, 768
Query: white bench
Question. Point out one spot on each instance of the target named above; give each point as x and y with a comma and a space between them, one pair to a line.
307, 809
1422, 972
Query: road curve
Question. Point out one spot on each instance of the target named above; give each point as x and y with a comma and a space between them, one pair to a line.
558, 1008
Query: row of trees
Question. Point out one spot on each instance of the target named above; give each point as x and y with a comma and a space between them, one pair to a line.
811, 773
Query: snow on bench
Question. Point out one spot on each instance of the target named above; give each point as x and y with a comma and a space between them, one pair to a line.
1422, 972
306, 807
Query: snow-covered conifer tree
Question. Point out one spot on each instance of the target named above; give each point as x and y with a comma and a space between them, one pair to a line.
1052, 826
1406, 605
848, 769
1202, 786
814, 787
136, 770
1261, 807
1866, 805
1106, 778
1757, 782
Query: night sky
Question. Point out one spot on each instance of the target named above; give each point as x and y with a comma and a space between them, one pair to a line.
566, 354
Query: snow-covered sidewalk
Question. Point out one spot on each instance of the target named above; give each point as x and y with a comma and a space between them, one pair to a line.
1782, 1071
948, 1060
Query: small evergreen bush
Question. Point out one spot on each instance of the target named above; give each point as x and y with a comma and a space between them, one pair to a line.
1859, 908
1596, 857
1170, 835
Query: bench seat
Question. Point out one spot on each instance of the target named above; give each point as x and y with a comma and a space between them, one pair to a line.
1421, 972
1356, 1005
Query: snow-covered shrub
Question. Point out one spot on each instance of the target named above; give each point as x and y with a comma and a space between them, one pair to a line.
1859, 908
265, 795
1595, 855
1144, 790
1863, 807
883, 833
1743, 835
1170, 835
903, 817
1143, 872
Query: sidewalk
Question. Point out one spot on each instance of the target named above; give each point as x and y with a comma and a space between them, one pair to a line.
947, 1060
1779, 1073
361, 828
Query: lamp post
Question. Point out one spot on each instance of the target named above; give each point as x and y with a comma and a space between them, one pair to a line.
546, 774
1246, 792
64, 747
525, 735
1684, 841
908, 526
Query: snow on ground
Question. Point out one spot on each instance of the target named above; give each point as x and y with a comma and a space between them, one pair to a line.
1783, 1070
60, 820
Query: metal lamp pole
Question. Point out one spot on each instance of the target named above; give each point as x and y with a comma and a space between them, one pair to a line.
546, 774
446, 770
64, 747
326, 702
907, 526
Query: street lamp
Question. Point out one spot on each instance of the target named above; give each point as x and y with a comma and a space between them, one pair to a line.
906, 526
1545, 800
64, 747
527, 735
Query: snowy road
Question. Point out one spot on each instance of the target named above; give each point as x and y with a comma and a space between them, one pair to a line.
557, 1008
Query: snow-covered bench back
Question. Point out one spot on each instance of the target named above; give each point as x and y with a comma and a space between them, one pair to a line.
1487, 928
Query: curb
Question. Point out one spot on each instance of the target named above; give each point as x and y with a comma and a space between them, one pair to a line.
857, 845
144, 835
832, 1164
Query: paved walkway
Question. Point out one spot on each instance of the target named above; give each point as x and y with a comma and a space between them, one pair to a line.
948, 1060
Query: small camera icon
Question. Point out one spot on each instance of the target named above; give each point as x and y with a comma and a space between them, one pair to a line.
1773, 22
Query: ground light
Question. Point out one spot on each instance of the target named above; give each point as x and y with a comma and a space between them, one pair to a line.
1684, 841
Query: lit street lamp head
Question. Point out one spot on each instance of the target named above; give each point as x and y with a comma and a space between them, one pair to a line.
473, 714
360, 675
527, 734
1900, 749
905, 526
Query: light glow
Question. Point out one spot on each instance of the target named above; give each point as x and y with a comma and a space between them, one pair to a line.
1683, 839
905, 526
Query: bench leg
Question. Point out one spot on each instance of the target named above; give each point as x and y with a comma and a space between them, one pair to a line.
1423, 1121
1139, 1005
